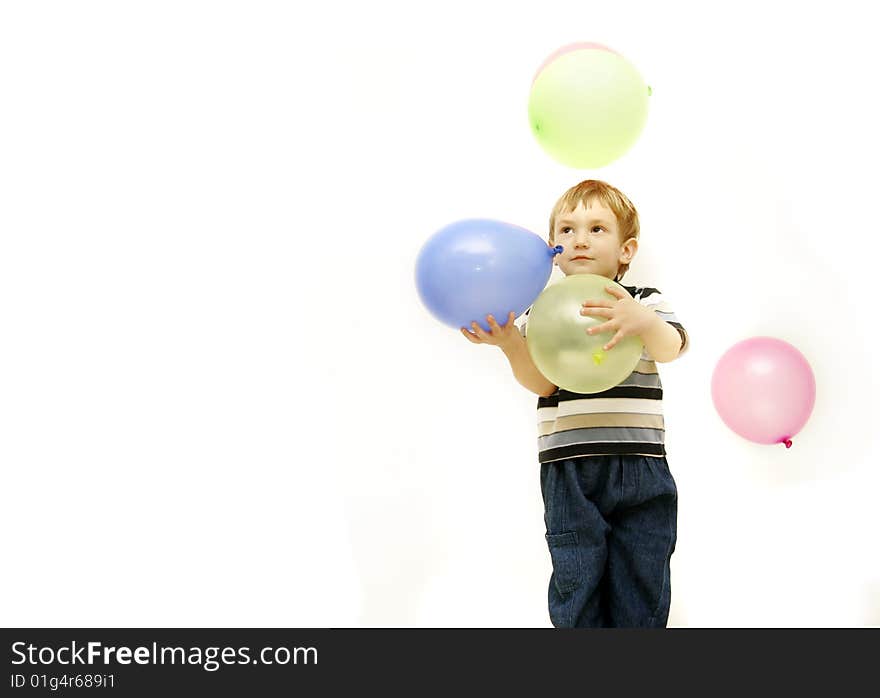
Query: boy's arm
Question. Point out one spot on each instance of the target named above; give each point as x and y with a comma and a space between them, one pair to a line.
663, 341
627, 316
524, 369
513, 344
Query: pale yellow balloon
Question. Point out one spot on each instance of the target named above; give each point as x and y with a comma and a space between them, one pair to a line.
557, 339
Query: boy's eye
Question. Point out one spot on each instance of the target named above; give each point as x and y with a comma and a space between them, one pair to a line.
567, 229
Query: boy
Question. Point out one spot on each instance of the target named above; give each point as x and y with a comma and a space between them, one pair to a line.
610, 501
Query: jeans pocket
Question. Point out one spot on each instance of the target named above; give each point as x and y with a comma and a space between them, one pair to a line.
565, 559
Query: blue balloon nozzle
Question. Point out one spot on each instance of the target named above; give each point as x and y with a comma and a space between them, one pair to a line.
556, 250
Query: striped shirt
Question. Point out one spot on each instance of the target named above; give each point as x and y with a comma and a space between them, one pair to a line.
626, 419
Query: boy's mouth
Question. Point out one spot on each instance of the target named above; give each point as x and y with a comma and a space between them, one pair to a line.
588, 259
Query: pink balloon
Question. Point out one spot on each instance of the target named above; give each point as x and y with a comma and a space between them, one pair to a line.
764, 390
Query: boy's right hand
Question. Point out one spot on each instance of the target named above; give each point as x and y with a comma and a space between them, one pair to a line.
500, 335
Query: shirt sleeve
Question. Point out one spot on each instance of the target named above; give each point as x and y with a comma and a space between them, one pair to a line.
656, 301
523, 320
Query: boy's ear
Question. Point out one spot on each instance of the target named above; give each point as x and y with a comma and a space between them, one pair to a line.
551, 246
628, 250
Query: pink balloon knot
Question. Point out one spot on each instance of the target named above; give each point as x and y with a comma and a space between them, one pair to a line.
787, 443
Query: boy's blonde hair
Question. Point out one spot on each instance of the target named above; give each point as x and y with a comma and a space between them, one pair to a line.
595, 190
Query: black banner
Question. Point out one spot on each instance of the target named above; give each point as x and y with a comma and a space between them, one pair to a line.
150, 661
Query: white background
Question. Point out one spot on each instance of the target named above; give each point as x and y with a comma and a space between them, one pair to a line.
221, 401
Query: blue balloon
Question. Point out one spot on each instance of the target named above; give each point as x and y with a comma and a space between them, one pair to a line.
478, 267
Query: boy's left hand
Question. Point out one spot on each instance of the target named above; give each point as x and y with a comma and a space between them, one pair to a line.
626, 316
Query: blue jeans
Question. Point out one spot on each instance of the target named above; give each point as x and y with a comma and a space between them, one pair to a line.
611, 529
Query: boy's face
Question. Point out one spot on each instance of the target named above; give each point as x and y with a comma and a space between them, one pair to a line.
591, 241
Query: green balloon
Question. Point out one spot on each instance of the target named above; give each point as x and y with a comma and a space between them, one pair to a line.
557, 339
588, 107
